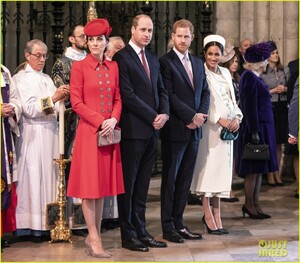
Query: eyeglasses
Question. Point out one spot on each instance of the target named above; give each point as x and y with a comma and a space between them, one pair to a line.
81, 36
38, 55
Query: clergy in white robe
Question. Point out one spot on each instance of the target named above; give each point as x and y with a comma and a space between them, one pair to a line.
38, 143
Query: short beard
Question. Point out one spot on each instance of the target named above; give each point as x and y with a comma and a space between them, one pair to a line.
83, 48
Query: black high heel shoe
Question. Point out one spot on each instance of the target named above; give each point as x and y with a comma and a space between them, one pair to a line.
264, 215
223, 231
253, 216
211, 231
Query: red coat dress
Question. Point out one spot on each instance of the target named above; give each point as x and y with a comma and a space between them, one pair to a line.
95, 96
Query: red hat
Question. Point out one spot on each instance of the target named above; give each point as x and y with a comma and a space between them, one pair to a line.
97, 27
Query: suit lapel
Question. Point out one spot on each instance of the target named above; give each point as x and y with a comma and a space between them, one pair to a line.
229, 80
150, 64
197, 78
138, 62
196, 71
181, 68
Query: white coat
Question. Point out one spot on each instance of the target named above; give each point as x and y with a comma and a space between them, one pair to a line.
36, 148
213, 169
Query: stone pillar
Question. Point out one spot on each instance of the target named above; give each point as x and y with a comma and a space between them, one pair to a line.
290, 32
260, 21
227, 22
247, 16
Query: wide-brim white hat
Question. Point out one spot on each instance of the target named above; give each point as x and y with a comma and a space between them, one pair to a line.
214, 38
227, 54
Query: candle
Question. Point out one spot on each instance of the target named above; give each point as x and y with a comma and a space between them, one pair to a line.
61, 127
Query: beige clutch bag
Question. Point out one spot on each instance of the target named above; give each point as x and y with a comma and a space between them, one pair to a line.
108, 140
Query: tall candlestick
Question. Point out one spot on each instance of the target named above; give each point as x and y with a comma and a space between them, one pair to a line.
61, 127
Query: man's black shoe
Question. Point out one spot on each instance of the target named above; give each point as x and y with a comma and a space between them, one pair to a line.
40, 239
173, 236
4, 243
135, 245
151, 242
35, 239
187, 234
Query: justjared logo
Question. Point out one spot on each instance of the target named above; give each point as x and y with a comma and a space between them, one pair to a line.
272, 248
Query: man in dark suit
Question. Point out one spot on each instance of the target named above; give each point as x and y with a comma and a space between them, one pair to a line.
294, 71
240, 51
145, 111
184, 78
294, 128
294, 115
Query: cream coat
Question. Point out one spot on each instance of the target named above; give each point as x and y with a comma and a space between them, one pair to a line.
213, 169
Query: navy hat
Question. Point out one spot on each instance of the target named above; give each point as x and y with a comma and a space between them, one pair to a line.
258, 52
97, 27
273, 46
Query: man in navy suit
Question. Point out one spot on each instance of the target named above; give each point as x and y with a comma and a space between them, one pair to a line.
294, 127
145, 111
184, 78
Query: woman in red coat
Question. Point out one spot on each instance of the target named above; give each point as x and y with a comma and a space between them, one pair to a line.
96, 171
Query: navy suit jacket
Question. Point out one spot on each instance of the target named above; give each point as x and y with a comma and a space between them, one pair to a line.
185, 101
294, 112
294, 70
142, 99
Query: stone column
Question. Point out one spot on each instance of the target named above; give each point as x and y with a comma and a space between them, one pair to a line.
290, 32
227, 21
260, 21
247, 16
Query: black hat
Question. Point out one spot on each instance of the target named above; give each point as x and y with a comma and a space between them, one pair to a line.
273, 46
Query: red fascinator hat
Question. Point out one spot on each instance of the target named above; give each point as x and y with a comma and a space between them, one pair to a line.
97, 27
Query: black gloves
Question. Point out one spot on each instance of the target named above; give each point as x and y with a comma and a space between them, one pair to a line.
255, 138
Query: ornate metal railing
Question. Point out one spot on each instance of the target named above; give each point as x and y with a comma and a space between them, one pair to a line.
51, 20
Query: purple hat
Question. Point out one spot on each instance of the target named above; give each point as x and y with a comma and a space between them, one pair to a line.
97, 27
258, 52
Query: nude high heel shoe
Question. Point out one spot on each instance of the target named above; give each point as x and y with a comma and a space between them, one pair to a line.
91, 252
103, 254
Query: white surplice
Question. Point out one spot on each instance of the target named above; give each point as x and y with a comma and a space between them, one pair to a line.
36, 148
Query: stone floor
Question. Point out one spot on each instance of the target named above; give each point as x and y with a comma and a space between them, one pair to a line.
269, 240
